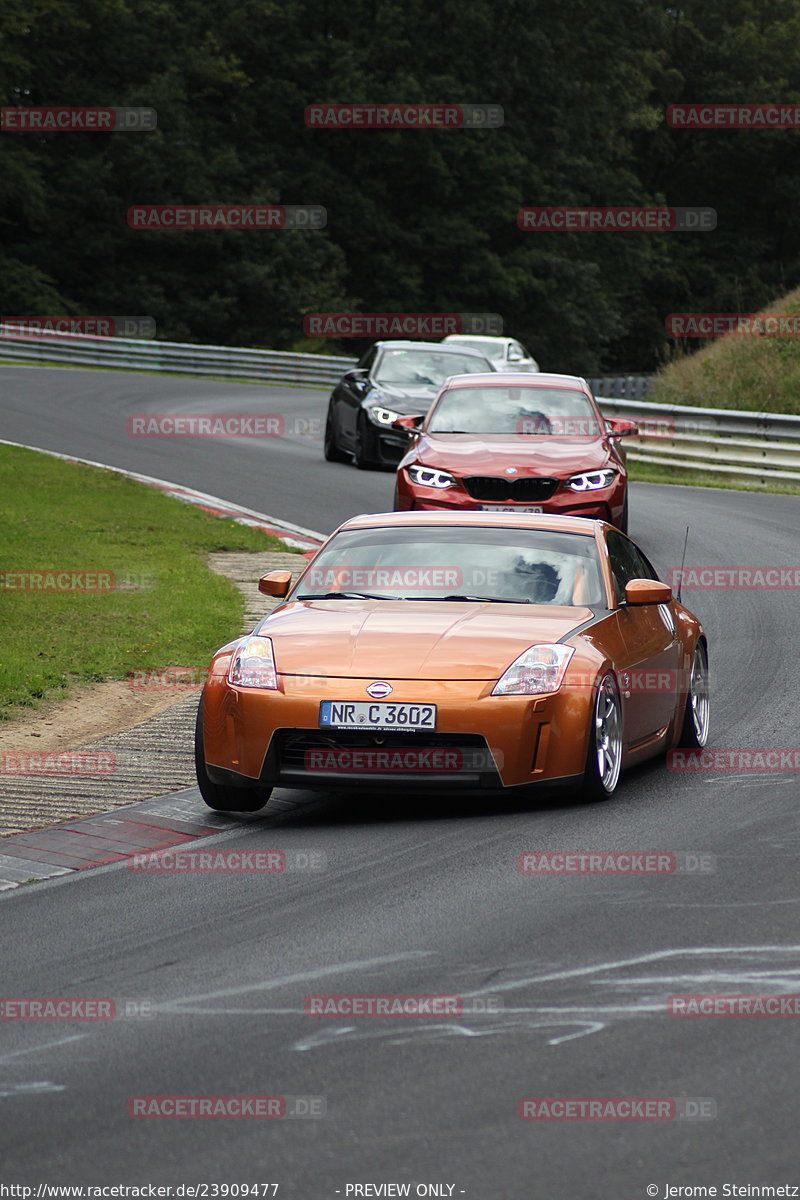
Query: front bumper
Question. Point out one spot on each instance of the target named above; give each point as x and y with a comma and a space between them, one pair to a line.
481, 741
606, 504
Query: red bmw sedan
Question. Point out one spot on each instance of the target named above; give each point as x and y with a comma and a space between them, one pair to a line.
512, 442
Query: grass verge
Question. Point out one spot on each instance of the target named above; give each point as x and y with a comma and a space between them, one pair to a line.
645, 472
758, 372
158, 605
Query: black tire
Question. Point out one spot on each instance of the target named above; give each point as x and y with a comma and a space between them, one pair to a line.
360, 448
218, 796
623, 525
694, 732
601, 774
330, 446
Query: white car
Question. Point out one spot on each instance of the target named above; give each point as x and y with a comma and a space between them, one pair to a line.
505, 353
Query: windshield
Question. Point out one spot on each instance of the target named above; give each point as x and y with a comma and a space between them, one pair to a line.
531, 566
427, 366
558, 412
485, 346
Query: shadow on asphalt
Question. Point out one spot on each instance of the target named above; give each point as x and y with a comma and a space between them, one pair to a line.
361, 807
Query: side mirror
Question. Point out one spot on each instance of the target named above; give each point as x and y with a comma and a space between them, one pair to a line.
410, 424
619, 427
275, 583
647, 591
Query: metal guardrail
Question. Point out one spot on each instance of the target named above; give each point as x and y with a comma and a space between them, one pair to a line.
136, 354
761, 446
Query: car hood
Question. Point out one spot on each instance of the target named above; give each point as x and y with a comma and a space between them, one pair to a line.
406, 399
395, 639
490, 454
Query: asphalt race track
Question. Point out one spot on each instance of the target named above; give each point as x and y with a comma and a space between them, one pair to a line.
566, 978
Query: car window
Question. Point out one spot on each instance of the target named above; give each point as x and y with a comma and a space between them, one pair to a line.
515, 350
627, 562
429, 367
560, 412
368, 359
501, 563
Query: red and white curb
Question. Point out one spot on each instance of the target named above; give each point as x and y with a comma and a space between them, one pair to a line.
307, 540
103, 838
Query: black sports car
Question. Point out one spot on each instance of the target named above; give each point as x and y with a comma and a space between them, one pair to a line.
393, 379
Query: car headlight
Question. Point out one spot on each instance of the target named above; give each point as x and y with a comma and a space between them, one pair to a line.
383, 416
539, 669
253, 664
430, 477
592, 481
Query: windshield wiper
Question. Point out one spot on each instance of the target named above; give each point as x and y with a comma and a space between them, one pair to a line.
345, 596
464, 596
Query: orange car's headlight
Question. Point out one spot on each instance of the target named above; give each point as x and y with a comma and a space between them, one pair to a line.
538, 670
253, 664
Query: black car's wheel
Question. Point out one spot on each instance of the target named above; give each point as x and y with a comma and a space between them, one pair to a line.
604, 754
217, 796
361, 456
694, 733
330, 446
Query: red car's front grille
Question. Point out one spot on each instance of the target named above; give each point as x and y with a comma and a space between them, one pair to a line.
501, 488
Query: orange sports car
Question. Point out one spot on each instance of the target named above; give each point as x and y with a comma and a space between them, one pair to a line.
467, 651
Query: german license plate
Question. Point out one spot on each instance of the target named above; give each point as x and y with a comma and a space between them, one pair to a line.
512, 508
364, 714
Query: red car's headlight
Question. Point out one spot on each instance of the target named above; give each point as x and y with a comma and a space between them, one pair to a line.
253, 664
430, 477
592, 481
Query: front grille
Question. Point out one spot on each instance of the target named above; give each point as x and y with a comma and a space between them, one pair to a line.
292, 759
500, 488
294, 745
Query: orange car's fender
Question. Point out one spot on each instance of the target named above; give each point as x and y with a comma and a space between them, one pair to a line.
689, 630
219, 743
587, 667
